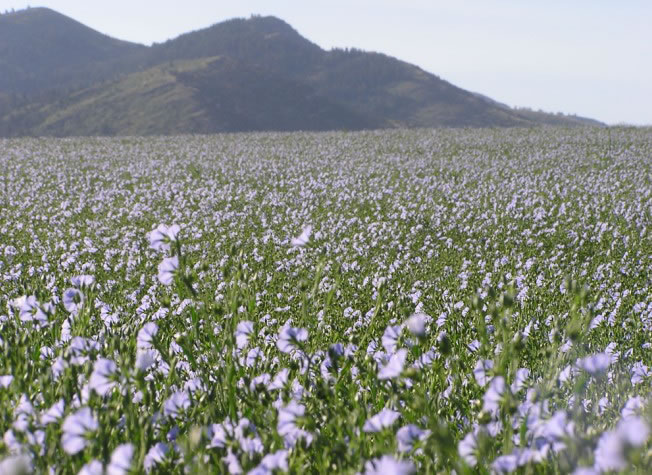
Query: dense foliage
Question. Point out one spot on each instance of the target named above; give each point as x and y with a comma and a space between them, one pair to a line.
428, 301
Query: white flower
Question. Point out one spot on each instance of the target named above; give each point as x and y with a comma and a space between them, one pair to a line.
287, 427
565, 374
94, 467
12, 443
586, 471
146, 336
73, 300
505, 464
468, 447
274, 461
144, 360
409, 434
303, 238
79, 349
221, 433
416, 324
29, 310
518, 458
287, 415
5, 381
388, 465
520, 378
242, 332
15, 304
232, 463
120, 462
24, 412
167, 269
82, 281
288, 338
639, 372
380, 421
262, 380
494, 394
390, 337
280, 380
66, 330
595, 364
425, 359
551, 433
633, 407
161, 237
609, 453
101, 380
154, 456
634, 431
480, 371
395, 365
244, 433
441, 320
76, 429
175, 404
54, 413
254, 356
474, 346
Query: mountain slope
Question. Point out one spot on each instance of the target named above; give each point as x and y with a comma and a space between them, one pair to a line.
264, 42
372, 84
62, 78
405, 94
182, 98
40, 48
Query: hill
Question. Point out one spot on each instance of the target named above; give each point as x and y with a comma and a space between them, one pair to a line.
264, 42
182, 97
41, 49
63, 78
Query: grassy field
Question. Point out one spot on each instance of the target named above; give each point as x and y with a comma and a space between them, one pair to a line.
380, 302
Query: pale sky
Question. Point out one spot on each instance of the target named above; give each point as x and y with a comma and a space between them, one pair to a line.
588, 57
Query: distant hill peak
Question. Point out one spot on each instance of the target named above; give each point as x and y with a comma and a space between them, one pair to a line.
37, 16
245, 28
60, 77
270, 23
30, 11
45, 24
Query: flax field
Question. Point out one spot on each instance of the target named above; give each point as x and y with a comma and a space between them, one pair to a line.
394, 302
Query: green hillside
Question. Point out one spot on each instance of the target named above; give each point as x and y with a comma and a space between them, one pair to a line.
182, 97
62, 78
41, 49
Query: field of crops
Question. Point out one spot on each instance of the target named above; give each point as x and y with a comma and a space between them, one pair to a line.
380, 302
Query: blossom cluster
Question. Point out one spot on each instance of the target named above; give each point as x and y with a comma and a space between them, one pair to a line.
380, 302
